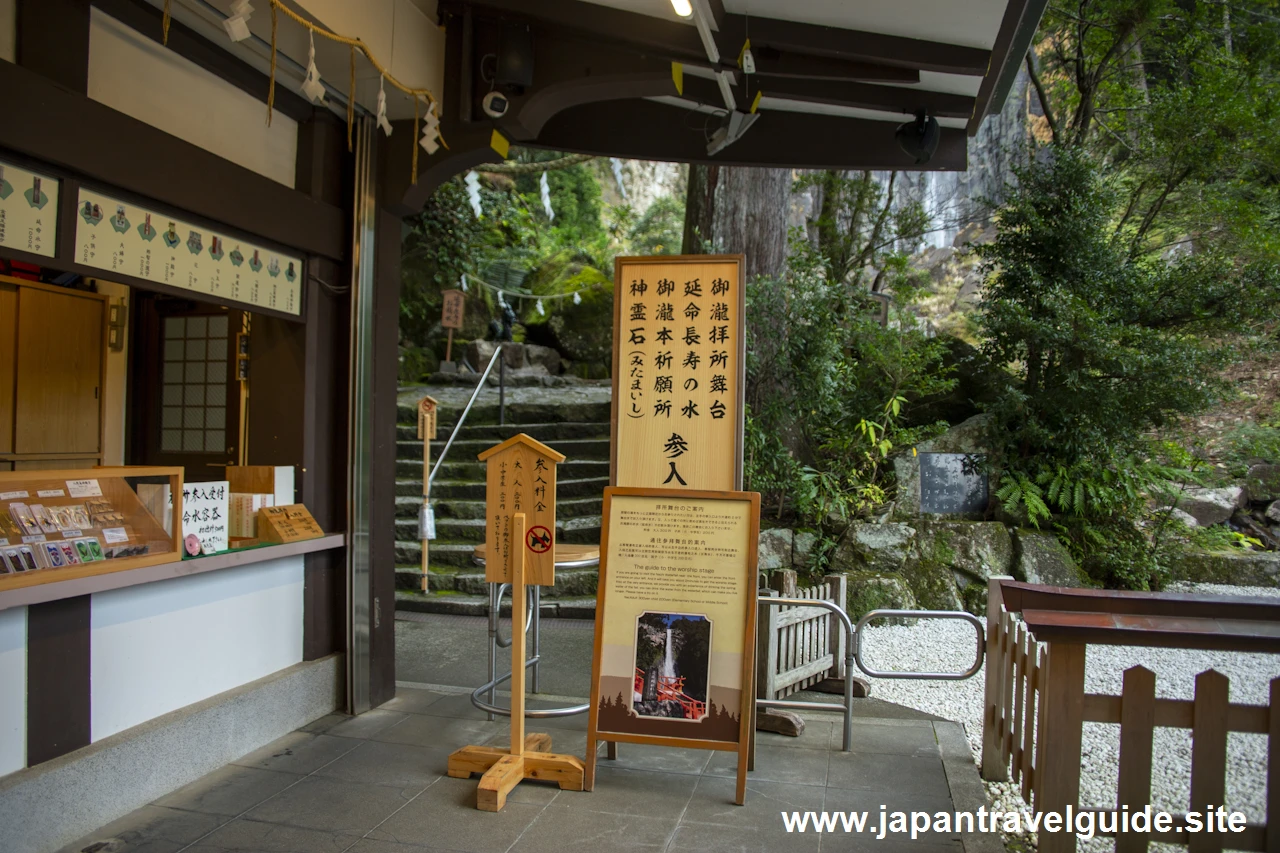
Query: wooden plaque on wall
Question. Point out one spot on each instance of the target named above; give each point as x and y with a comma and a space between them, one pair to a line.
678, 372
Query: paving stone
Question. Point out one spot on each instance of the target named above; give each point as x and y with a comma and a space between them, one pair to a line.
458, 706
323, 724
713, 803
367, 724
776, 764
334, 806
446, 813
229, 790
901, 776
298, 752
708, 837
816, 735
410, 700
666, 759
439, 732
246, 835
398, 765
893, 740
562, 829
636, 792
150, 829
368, 845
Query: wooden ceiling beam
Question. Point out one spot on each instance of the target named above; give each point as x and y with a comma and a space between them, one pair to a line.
893, 99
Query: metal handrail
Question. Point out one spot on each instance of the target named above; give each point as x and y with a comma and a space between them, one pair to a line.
850, 661
474, 394
978, 627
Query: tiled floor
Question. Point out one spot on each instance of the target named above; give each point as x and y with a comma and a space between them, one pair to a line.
376, 784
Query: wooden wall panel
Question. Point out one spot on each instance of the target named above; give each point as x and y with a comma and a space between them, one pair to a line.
59, 383
8, 353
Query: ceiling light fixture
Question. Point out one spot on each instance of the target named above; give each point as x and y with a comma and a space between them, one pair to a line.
682, 7
919, 137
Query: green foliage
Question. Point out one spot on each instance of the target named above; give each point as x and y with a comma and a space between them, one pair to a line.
1219, 537
1115, 552
828, 391
438, 248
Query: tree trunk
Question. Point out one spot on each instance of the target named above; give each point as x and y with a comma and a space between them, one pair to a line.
739, 210
699, 208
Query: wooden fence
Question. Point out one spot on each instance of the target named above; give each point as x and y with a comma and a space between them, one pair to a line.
1036, 703
800, 646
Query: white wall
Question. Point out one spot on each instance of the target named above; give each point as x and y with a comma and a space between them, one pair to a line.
8, 30
161, 646
13, 689
139, 77
117, 382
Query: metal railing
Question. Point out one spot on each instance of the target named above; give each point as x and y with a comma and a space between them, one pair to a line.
497, 353
923, 614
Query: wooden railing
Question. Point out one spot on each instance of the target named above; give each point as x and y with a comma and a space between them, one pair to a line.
801, 646
1036, 702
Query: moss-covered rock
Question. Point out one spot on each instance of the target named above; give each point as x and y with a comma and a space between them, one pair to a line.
1042, 558
869, 591
873, 547
976, 549
1261, 568
928, 573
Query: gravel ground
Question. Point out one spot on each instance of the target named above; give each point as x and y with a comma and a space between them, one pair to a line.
943, 646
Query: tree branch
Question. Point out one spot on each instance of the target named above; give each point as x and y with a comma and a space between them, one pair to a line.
1044, 99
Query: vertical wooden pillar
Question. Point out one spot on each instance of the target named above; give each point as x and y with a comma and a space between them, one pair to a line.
994, 768
1058, 767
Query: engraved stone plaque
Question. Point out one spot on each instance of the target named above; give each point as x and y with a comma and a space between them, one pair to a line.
949, 484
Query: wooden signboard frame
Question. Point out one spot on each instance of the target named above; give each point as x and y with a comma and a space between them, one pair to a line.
745, 701
520, 478
704, 471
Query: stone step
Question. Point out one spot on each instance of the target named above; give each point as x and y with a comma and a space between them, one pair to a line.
456, 604
473, 490
468, 449
570, 583
545, 432
573, 469
456, 552
486, 414
407, 508
458, 530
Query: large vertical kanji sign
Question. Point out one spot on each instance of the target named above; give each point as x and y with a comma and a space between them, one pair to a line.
678, 372
520, 477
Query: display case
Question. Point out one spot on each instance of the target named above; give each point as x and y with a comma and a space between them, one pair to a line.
60, 525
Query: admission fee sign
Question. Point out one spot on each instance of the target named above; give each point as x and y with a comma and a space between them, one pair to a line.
675, 622
678, 372
520, 477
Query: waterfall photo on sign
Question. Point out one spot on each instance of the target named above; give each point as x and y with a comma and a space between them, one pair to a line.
673, 663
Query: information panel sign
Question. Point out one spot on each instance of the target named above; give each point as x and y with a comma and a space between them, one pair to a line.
678, 362
28, 211
116, 236
675, 620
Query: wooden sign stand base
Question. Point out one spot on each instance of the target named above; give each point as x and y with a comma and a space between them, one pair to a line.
529, 756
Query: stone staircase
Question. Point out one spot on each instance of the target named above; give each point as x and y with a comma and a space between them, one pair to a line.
574, 421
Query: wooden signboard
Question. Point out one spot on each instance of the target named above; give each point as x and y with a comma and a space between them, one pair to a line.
451, 318
291, 523
520, 477
427, 419
678, 372
675, 622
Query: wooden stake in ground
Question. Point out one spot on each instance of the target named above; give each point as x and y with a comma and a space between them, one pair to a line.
426, 432
528, 756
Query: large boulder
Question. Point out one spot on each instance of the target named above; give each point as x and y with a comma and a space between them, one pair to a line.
1263, 482
544, 357
802, 546
975, 549
869, 591
873, 547
1043, 559
773, 550
1273, 512
1212, 506
967, 438
932, 583
1255, 568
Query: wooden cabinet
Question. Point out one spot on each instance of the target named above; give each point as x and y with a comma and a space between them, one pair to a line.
52, 375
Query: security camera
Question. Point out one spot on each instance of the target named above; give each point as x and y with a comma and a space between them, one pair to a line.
919, 137
496, 105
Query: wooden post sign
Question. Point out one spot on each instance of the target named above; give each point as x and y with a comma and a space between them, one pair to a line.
451, 318
520, 477
678, 372
528, 756
426, 517
675, 622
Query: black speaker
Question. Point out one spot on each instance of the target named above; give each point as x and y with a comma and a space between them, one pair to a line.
919, 137
515, 56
